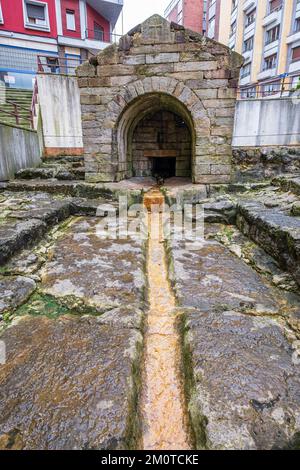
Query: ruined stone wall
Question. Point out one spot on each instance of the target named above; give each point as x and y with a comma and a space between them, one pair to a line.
161, 135
157, 66
260, 163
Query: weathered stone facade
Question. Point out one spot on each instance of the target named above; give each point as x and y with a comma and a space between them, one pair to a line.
159, 66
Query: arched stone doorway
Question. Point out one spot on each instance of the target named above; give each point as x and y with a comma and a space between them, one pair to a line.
156, 67
155, 137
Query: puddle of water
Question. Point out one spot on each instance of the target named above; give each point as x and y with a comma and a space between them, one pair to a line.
164, 416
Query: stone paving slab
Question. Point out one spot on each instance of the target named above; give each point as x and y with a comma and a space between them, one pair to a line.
213, 279
241, 358
25, 217
100, 273
71, 376
246, 381
68, 384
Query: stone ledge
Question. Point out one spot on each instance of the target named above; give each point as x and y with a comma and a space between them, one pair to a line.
276, 233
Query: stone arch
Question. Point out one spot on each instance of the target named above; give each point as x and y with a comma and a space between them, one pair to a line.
152, 94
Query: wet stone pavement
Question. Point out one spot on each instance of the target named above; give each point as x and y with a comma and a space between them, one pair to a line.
241, 358
89, 325
71, 324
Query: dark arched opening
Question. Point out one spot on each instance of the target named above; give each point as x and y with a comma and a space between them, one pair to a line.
155, 136
161, 146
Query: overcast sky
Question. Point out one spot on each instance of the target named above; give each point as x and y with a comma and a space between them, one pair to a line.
136, 11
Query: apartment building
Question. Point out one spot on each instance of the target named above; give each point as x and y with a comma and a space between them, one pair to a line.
51, 35
267, 34
189, 13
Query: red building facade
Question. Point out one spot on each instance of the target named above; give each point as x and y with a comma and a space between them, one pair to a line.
190, 13
32, 30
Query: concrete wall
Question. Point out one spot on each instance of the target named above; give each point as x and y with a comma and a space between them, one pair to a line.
267, 122
19, 148
59, 102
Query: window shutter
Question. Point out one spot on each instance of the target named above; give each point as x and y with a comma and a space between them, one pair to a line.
35, 11
296, 53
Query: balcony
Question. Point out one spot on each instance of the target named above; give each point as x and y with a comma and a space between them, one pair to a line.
109, 9
232, 40
247, 54
249, 28
249, 5
271, 47
268, 73
91, 41
245, 80
234, 14
170, 8
273, 16
294, 66
293, 37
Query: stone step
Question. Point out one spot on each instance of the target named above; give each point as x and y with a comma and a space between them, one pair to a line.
50, 172
288, 183
68, 188
26, 224
278, 234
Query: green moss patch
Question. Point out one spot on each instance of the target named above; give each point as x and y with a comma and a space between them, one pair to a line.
40, 304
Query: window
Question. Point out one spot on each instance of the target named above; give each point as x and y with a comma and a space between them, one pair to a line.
272, 34
246, 70
211, 27
270, 62
248, 44
275, 5
250, 18
270, 89
233, 28
297, 25
36, 14
70, 17
98, 32
296, 54
1, 16
248, 92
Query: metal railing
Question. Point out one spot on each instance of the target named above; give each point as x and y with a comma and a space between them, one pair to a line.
272, 10
58, 65
279, 87
102, 36
34, 100
16, 113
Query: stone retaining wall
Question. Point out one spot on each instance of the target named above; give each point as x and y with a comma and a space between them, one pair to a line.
253, 164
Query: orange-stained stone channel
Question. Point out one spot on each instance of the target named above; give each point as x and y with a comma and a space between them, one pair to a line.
163, 411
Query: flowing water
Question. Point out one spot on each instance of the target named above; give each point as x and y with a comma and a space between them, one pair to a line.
163, 410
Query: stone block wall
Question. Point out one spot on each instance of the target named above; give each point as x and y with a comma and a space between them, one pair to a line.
159, 65
161, 135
